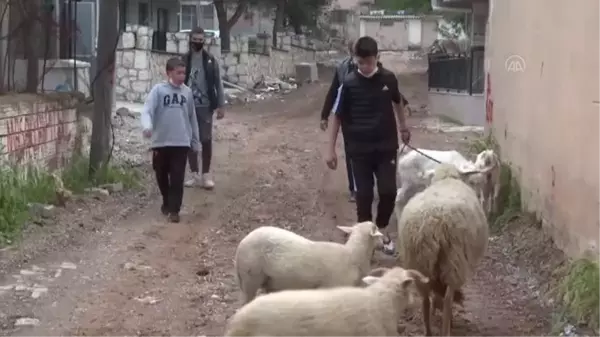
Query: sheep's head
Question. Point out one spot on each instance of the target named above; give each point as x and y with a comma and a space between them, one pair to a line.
468, 173
364, 229
487, 159
405, 282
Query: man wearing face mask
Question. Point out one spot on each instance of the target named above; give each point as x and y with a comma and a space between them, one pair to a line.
204, 78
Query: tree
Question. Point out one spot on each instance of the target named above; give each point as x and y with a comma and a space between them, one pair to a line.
298, 14
225, 24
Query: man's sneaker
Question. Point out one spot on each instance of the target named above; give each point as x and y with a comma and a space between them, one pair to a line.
163, 210
388, 245
194, 180
352, 197
174, 217
207, 182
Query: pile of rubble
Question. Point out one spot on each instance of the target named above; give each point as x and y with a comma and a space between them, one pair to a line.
264, 88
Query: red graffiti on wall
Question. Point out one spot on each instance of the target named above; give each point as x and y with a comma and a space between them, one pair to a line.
32, 130
489, 101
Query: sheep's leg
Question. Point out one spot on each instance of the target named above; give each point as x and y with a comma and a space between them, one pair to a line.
447, 316
426, 308
250, 287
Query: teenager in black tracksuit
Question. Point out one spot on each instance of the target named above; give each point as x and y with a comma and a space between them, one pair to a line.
367, 106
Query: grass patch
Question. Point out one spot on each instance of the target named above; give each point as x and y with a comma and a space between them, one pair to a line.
20, 186
579, 293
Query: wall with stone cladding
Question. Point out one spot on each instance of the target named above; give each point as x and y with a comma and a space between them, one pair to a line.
45, 130
139, 67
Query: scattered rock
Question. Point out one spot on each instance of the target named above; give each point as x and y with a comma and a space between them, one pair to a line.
148, 300
125, 112
133, 266
41, 210
97, 192
38, 291
26, 321
68, 265
113, 188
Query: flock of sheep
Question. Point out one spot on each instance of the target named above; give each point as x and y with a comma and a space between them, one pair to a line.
317, 288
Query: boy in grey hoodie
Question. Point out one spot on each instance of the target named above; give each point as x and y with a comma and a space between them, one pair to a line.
169, 119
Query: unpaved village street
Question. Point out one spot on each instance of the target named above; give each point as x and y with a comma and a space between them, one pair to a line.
116, 267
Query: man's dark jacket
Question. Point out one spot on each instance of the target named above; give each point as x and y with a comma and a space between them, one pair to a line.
210, 72
341, 71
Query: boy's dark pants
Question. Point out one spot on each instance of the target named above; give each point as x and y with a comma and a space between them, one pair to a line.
169, 165
205, 125
382, 164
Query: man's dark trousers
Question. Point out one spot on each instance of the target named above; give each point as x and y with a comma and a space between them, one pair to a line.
351, 183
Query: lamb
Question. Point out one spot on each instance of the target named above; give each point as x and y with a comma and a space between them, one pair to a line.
443, 233
343, 311
414, 172
275, 259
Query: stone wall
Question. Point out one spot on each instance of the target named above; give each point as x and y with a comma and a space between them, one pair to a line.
139, 67
44, 130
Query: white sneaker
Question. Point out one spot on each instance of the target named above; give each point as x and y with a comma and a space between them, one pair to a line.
193, 181
207, 182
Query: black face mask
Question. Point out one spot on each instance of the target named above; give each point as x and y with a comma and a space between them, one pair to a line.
197, 46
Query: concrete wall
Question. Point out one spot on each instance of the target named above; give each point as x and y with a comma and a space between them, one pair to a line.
543, 105
138, 68
459, 107
44, 130
394, 33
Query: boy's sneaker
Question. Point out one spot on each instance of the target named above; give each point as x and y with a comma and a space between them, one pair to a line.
352, 197
163, 210
388, 245
207, 182
174, 217
194, 180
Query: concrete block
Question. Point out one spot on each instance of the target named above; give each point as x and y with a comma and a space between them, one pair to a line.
306, 72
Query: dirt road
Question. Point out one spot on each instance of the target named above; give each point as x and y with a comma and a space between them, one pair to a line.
119, 269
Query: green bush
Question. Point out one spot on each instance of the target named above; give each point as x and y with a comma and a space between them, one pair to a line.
579, 292
20, 186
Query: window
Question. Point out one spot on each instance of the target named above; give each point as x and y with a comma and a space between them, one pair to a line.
207, 16
143, 14
188, 17
339, 16
122, 14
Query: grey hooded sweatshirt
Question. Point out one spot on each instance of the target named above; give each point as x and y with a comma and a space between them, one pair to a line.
170, 113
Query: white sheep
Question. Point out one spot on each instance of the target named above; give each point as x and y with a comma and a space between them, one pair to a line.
344, 311
275, 259
414, 172
443, 233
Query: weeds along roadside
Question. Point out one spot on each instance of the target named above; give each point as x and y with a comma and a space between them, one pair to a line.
21, 186
576, 283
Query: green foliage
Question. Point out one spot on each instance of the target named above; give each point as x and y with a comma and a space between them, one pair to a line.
414, 6
579, 292
21, 186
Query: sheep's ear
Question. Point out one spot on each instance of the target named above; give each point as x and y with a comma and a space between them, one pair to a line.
345, 229
375, 232
368, 280
407, 283
417, 276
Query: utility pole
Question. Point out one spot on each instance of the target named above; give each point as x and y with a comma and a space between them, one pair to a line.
108, 35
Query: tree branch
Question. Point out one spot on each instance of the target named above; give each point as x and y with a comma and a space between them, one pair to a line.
239, 10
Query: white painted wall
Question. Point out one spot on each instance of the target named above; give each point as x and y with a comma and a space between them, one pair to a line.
414, 32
